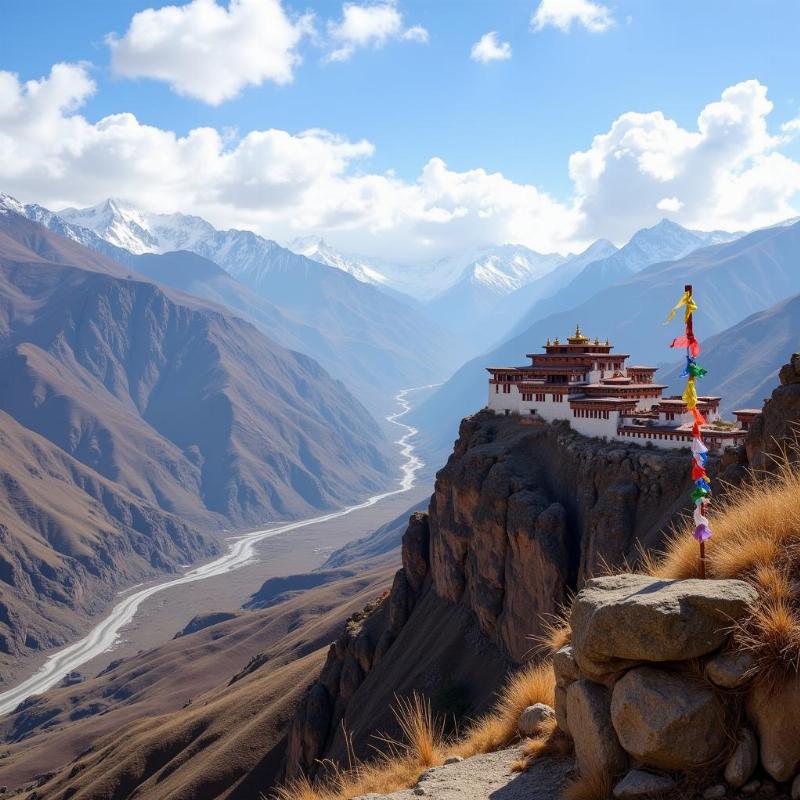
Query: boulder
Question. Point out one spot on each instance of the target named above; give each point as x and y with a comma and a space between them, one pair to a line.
596, 743
640, 783
714, 792
565, 667
795, 794
531, 719
744, 759
619, 621
667, 720
775, 714
561, 709
729, 670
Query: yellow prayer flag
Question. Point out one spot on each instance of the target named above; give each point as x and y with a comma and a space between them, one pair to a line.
690, 394
686, 300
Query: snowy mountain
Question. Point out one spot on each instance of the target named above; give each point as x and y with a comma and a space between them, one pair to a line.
375, 342
514, 306
666, 241
486, 277
317, 249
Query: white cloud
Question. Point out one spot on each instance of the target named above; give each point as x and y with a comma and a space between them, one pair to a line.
416, 33
562, 14
369, 25
210, 52
726, 173
489, 48
791, 128
669, 204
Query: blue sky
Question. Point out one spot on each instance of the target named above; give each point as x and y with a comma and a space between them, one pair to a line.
413, 101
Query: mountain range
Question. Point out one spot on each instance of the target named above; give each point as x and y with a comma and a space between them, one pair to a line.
139, 420
375, 342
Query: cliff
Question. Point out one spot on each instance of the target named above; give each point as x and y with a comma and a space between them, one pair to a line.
522, 514
779, 422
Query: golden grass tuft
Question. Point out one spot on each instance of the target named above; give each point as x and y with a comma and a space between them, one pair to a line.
421, 747
757, 539
423, 744
593, 784
556, 631
534, 683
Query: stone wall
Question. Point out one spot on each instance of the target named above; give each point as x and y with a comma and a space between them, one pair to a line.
654, 694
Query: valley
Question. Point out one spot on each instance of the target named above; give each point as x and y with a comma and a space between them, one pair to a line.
144, 618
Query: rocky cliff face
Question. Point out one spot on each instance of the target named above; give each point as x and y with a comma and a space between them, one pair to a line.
780, 420
521, 515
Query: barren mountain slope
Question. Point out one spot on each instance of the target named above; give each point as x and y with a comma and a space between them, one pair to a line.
208, 742
176, 405
68, 539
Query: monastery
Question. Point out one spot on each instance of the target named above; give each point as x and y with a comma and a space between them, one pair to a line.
584, 382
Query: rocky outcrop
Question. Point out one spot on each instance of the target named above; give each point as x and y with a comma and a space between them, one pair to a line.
597, 747
779, 421
665, 719
774, 712
656, 658
621, 620
522, 513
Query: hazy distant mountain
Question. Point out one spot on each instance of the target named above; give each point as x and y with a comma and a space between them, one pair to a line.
317, 249
375, 342
514, 306
488, 276
732, 281
743, 361
665, 241
150, 403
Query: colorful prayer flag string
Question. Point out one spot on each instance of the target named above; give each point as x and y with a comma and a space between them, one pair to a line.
701, 483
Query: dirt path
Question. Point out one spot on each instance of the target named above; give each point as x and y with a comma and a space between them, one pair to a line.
487, 777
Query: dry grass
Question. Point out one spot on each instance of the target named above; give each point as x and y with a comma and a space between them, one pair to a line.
421, 747
756, 538
534, 683
556, 632
423, 744
594, 784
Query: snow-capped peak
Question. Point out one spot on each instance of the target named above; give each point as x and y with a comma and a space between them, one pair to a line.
317, 249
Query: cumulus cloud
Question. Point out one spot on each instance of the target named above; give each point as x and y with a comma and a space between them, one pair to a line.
489, 48
669, 204
369, 25
563, 14
209, 51
727, 172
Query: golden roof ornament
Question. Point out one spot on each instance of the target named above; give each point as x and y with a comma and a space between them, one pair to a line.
548, 342
578, 338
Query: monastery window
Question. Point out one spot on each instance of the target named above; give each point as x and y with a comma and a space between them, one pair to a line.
527, 397
496, 388
506, 389
540, 398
